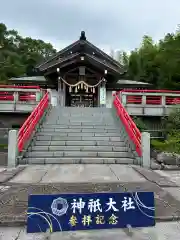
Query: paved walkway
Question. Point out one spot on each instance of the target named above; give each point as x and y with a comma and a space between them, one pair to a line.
162, 231
77, 173
17, 183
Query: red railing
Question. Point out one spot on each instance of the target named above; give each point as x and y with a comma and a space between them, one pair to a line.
136, 98
149, 91
19, 87
23, 96
28, 127
150, 99
130, 127
10, 97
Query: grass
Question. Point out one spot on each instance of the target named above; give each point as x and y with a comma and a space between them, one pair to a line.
3, 146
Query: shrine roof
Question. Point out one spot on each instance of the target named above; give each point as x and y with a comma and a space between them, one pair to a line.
125, 81
29, 78
81, 47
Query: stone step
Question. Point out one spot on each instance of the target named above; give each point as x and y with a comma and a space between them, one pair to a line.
83, 122
79, 148
79, 143
78, 112
77, 160
74, 137
80, 115
68, 126
78, 130
98, 109
81, 118
103, 124
79, 154
78, 134
84, 116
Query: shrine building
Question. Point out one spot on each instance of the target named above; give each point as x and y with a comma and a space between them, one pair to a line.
81, 75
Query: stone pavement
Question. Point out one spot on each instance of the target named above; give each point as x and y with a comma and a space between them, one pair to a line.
174, 176
17, 183
77, 173
162, 231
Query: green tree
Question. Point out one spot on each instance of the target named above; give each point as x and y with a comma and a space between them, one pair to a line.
158, 64
172, 126
18, 55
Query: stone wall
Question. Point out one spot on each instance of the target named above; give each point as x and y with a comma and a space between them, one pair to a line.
7, 122
3, 136
11, 120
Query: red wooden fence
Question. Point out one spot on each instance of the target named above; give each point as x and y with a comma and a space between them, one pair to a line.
29, 125
130, 127
23, 96
152, 99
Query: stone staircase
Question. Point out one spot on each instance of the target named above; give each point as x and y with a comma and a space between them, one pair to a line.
78, 135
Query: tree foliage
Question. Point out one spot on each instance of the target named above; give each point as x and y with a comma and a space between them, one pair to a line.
172, 126
157, 63
18, 55
140, 124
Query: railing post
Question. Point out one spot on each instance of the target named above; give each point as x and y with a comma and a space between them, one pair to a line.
16, 96
38, 96
145, 146
163, 104
163, 100
143, 100
50, 95
123, 97
12, 148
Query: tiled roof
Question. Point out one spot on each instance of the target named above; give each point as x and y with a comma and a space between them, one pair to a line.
33, 78
124, 81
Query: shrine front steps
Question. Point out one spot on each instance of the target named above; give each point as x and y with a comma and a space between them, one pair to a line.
78, 151
73, 135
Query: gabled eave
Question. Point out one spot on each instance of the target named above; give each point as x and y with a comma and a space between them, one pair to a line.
58, 62
86, 45
75, 59
104, 64
58, 54
106, 56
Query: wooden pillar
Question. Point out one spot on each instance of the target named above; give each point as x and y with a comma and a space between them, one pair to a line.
102, 94
64, 94
98, 100
61, 92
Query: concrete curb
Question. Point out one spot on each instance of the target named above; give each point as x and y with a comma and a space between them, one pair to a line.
8, 174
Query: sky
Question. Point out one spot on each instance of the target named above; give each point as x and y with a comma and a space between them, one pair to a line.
109, 24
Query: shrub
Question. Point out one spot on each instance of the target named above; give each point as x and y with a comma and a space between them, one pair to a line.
3, 146
140, 124
172, 126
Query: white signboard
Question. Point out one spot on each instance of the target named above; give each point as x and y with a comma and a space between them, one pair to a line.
102, 95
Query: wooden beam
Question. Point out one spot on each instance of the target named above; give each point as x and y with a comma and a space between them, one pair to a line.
74, 74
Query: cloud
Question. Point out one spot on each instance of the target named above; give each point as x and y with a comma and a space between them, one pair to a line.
117, 24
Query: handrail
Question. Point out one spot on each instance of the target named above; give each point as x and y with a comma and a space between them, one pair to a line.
23, 87
27, 98
130, 127
150, 97
29, 125
148, 91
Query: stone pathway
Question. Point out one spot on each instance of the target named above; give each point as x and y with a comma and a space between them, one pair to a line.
162, 231
77, 173
174, 176
17, 183
13, 201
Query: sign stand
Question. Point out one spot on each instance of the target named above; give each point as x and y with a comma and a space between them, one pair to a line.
129, 231
47, 235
